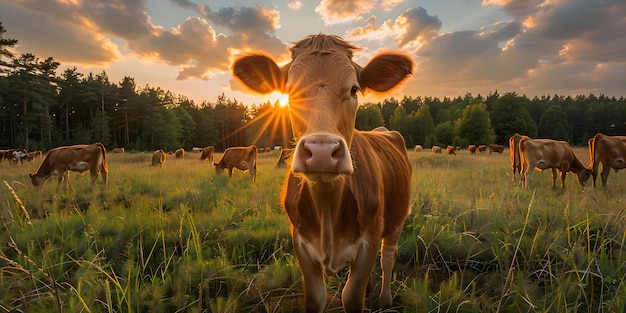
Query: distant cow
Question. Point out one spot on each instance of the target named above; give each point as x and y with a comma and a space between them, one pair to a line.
496, 149
450, 150
207, 153
284, 157
20, 156
550, 154
418, 148
158, 158
482, 148
35, 154
180, 153
348, 192
118, 150
242, 158
471, 149
196, 149
436, 149
79, 158
516, 164
608, 150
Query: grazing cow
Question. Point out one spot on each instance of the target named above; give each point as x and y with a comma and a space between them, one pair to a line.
450, 150
180, 153
158, 158
482, 149
436, 149
19, 156
284, 158
608, 150
348, 192
196, 149
471, 149
118, 150
550, 154
207, 153
79, 158
496, 149
243, 158
35, 154
516, 164
418, 148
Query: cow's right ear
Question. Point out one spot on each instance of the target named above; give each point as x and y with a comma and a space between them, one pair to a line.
260, 73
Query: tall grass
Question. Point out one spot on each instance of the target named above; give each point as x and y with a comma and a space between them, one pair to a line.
181, 239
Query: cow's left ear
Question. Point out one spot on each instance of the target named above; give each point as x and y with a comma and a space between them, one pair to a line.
260, 73
385, 71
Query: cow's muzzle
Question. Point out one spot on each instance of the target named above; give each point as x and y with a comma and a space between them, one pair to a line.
322, 154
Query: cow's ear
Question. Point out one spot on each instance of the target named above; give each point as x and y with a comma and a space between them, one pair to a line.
385, 71
259, 72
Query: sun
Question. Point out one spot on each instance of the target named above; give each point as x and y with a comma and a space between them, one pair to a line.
281, 98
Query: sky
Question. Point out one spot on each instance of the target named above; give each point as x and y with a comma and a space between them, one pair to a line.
530, 47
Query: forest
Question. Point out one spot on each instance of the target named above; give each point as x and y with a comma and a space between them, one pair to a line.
42, 108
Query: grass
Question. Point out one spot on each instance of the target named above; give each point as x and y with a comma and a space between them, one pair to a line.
180, 239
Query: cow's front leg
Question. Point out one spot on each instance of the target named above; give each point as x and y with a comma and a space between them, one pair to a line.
563, 175
389, 251
314, 286
353, 295
553, 177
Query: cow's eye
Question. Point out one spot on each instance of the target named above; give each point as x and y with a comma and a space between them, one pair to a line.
354, 90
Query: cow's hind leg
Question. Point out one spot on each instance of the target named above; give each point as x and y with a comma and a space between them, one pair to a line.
389, 252
605, 174
553, 177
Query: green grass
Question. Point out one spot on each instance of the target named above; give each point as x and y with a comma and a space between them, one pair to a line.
180, 239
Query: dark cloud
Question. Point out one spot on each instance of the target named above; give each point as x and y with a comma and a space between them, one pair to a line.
416, 24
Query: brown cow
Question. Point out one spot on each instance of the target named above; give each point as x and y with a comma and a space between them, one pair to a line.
516, 165
284, 158
450, 150
348, 192
158, 158
207, 153
243, 158
436, 149
180, 153
118, 150
79, 158
482, 148
35, 154
550, 154
496, 149
471, 149
608, 150
418, 148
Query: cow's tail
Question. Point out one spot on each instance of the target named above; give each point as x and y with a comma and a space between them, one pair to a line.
103, 150
591, 143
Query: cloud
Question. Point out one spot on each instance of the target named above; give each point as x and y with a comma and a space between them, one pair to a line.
341, 11
295, 5
416, 24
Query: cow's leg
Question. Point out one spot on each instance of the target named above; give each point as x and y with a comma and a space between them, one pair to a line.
230, 171
353, 294
524, 175
605, 174
553, 177
389, 252
314, 286
563, 175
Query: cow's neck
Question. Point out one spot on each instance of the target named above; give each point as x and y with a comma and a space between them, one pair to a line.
576, 165
327, 197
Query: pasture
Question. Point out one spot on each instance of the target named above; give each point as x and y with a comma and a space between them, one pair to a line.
181, 239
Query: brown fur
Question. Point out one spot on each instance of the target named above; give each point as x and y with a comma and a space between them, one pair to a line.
450, 150
118, 150
207, 153
496, 149
284, 158
348, 192
550, 154
79, 158
608, 150
242, 158
180, 153
158, 158
516, 165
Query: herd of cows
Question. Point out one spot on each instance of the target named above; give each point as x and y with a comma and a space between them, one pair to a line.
348, 192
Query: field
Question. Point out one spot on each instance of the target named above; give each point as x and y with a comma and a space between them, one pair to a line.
181, 239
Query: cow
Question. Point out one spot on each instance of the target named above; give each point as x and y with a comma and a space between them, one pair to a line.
196, 149
496, 149
19, 156
158, 158
35, 154
608, 150
284, 158
78, 158
207, 153
471, 149
550, 154
436, 149
243, 158
450, 150
516, 165
118, 150
348, 191
180, 153
482, 148
418, 148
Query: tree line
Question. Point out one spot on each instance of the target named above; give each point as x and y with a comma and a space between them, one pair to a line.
41, 109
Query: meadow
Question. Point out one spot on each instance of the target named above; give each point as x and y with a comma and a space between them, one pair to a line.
181, 239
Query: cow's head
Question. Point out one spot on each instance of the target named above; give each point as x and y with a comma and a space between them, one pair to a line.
583, 176
322, 82
36, 180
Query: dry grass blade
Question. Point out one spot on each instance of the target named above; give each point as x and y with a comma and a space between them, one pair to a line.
18, 201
